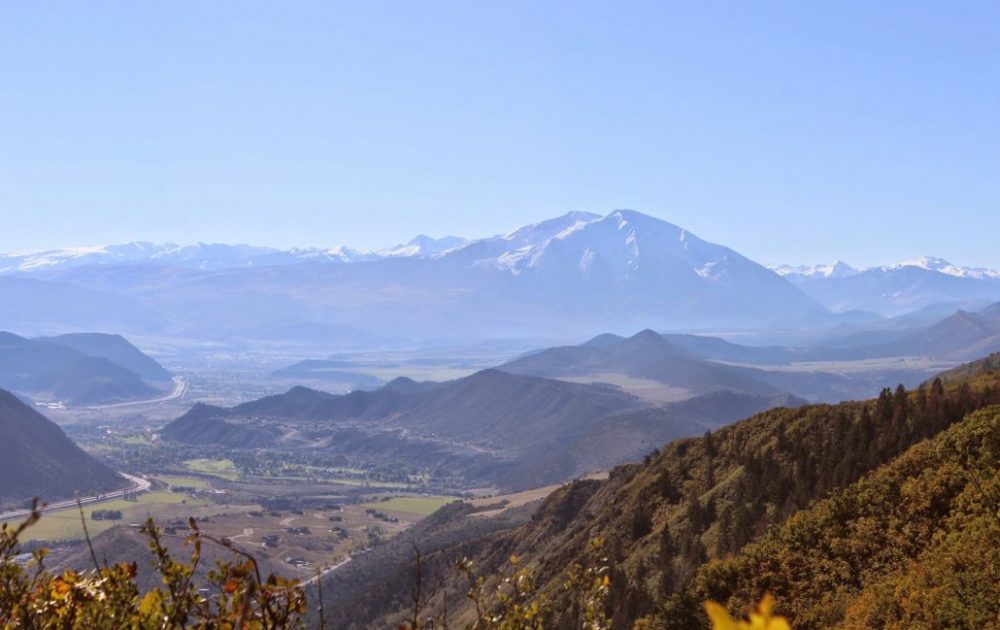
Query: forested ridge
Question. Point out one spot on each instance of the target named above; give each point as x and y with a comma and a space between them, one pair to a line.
700, 500
913, 545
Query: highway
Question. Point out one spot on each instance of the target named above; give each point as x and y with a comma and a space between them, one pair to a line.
330, 569
138, 485
180, 386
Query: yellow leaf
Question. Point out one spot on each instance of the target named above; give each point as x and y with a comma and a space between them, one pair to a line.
150, 604
720, 618
761, 619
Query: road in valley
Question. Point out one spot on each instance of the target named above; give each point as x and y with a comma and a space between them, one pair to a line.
138, 485
180, 386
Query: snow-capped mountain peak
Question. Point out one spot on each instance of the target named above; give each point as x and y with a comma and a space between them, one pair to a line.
893, 289
934, 263
841, 269
538, 233
838, 269
423, 245
579, 269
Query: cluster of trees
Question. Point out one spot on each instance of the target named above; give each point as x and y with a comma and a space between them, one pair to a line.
914, 545
704, 499
106, 515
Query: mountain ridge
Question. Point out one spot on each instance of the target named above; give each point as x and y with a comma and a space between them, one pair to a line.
79, 369
514, 431
38, 460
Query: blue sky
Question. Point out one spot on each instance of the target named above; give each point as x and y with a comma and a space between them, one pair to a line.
791, 131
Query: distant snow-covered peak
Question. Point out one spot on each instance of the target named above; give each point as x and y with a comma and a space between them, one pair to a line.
538, 233
838, 269
841, 269
624, 244
71, 257
423, 245
934, 263
339, 253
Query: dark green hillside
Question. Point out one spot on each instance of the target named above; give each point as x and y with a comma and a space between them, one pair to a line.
38, 460
704, 498
914, 545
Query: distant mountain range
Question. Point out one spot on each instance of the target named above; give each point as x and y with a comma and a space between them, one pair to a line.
38, 460
686, 365
578, 273
210, 256
646, 355
573, 276
511, 430
79, 369
893, 289
542, 418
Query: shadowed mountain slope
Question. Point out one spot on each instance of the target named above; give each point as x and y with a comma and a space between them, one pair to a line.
116, 349
38, 460
645, 355
510, 430
690, 364
53, 371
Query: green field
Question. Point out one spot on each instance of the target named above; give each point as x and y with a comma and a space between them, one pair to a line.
190, 482
421, 506
223, 468
65, 524
334, 480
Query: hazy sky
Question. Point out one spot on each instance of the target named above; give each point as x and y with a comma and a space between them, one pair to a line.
791, 131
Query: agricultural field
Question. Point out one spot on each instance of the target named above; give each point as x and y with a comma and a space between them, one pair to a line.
224, 468
411, 505
303, 544
177, 481
66, 525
